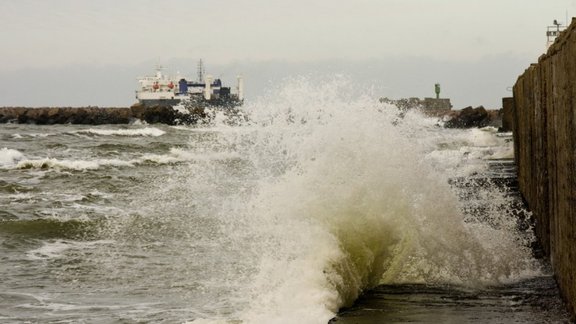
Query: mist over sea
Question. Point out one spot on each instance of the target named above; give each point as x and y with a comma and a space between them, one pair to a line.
284, 216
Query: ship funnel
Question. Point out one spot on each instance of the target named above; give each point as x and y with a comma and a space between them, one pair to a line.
240, 89
207, 87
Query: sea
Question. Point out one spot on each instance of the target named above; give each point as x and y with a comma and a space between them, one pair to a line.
315, 203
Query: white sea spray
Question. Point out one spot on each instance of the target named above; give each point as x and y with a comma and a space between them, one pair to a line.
9, 157
349, 195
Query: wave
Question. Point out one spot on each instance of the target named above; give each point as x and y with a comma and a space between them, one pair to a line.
9, 157
32, 135
53, 249
174, 156
50, 228
177, 155
147, 131
347, 200
78, 165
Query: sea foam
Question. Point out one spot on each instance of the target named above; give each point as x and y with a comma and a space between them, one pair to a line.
148, 131
9, 157
57, 248
174, 156
79, 165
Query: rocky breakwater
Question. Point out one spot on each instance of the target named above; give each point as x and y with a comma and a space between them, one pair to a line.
168, 115
544, 123
64, 115
442, 108
99, 115
472, 117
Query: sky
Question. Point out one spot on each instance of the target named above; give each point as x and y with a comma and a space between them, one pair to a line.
85, 52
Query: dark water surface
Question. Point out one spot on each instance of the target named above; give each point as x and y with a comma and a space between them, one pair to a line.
529, 301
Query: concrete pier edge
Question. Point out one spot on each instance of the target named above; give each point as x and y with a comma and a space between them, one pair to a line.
542, 115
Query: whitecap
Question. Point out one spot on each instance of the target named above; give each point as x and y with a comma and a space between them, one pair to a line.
49, 250
57, 248
52, 163
9, 157
148, 131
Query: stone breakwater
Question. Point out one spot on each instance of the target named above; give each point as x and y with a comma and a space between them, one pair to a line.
98, 115
442, 108
544, 124
472, 117
65, 115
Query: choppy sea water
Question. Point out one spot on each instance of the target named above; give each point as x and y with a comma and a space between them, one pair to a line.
286, 216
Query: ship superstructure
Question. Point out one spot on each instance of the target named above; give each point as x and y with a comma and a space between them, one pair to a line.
552, 32
164, 90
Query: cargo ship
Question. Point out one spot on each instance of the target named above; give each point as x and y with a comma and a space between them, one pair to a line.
161, 90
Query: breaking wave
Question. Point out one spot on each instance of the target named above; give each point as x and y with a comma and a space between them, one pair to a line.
347, 198
174, 156
78, 165
9, 157
148, 131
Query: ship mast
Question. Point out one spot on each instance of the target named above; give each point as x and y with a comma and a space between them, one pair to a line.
159, 71
200, 71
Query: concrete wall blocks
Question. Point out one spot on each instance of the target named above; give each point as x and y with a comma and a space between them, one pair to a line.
544, 125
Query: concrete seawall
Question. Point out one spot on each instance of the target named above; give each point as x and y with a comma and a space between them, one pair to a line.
543, 116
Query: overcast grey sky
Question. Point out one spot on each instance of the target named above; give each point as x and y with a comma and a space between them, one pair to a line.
58, 45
